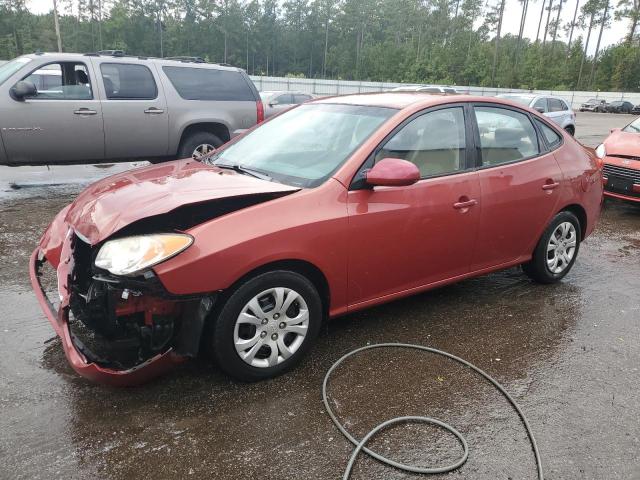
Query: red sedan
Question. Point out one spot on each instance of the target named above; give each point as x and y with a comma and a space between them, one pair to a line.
621, 155
334, 206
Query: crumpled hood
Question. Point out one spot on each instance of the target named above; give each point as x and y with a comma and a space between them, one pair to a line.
117, 201
623, 143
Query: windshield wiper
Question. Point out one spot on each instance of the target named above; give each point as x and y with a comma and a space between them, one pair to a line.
244, 170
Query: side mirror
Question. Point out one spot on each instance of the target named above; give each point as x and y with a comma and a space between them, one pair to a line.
539, 109
392, 172
23, 89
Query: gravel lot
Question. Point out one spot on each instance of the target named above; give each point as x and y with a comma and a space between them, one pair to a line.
568, 353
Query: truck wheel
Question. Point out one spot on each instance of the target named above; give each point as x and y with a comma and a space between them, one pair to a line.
198, 144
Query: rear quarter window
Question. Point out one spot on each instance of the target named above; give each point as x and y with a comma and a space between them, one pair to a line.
553, 138
209, 84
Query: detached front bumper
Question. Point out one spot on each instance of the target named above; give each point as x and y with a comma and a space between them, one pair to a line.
72, 346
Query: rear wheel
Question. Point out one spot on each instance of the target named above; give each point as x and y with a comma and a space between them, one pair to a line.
556, 251
266, 326
198, 144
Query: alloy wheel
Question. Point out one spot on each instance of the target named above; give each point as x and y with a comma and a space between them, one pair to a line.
201, 150
271, 327
561, 247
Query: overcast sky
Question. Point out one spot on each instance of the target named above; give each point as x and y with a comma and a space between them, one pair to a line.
511, 22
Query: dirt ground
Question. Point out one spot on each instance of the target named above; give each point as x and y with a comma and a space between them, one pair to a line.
569, 353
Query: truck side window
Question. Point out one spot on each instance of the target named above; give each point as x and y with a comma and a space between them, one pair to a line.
125, 81
61, 81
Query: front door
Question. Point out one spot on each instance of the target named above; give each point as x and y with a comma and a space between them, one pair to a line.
403, 238
519, 183
62, 123
136, 118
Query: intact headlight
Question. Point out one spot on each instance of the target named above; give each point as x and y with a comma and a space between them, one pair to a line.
129, 255
601, 151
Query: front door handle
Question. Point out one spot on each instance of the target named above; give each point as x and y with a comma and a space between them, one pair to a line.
84, 111
550, 185
465, 203
154, 111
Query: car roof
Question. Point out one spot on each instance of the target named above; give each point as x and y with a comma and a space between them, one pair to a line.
401, 100
64, 56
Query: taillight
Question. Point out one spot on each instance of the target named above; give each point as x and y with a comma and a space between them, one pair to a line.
260, 111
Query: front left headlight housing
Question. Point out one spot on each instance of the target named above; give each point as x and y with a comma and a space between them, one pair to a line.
601, 151
132, 255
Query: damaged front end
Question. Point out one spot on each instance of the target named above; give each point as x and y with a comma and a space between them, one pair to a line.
115, 330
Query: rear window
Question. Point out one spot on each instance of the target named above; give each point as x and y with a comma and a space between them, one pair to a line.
209, 84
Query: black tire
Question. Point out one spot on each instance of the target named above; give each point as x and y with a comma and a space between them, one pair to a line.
191, 142
221, 336
537, 269
570, 129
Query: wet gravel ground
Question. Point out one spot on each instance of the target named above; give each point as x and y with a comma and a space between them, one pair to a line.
569, 353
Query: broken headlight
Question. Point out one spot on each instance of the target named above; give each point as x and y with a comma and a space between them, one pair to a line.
129, 255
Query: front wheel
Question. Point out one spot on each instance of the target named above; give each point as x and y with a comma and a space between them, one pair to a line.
556, 251
266, 326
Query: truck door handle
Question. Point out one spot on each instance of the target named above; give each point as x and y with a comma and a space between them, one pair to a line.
550, 185
154, 111
462, 204
84, 111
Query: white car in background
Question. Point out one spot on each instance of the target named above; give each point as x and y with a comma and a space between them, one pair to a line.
426, 89
276, 101
555, 108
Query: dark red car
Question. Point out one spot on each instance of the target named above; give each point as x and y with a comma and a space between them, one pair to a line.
331, 207
620, 153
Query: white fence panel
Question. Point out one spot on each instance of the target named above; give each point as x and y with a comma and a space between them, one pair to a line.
343, 87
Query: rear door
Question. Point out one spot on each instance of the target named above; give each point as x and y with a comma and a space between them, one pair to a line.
134, 109
62, 123
519, 180
558, 112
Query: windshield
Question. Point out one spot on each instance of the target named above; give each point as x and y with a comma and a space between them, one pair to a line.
633, 127
519, 99
304, 146
12, 67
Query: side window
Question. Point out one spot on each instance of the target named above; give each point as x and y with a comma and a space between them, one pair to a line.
505, 135
285, 99
541, 105
301, 98
556, 105
124, 81
61, 81
435, 142
553, 138
209, 84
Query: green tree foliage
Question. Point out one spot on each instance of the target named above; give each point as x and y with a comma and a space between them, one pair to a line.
459, 42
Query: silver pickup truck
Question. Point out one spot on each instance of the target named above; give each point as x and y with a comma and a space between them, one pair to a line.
58, 108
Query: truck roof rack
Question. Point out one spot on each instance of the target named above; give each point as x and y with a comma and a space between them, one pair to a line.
186, 59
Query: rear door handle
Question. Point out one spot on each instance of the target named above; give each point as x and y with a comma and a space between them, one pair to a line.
154, 111
550, 185
465, 204
84, 111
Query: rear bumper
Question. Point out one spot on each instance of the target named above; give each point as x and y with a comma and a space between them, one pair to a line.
79, 361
